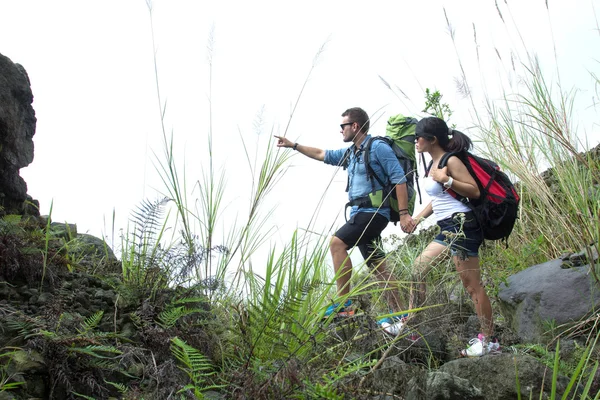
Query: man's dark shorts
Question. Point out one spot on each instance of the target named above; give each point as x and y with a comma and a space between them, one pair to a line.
362, 230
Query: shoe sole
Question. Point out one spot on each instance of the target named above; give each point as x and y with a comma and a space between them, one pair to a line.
463, 354
341, 314
345, 314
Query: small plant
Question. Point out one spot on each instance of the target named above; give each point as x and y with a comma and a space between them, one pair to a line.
7, 381
434, 105
197, 367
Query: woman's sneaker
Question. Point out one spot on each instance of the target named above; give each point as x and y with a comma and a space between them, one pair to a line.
393, 325
480, 346
340, 311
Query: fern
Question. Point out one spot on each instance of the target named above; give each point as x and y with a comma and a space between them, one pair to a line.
187, 300
272, 325
328, 388
83, 396
25, 328
119, 386
196, 365
91, 323
96, 350
169, 318
10, 225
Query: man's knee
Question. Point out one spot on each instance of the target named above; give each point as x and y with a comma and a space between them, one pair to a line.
337, 244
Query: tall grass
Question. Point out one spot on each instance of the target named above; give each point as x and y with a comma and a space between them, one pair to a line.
529, 132
273, 319
531, 128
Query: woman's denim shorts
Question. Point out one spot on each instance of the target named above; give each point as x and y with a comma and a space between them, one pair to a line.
469, 236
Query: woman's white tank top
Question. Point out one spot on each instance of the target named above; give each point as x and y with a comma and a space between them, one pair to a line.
444, 205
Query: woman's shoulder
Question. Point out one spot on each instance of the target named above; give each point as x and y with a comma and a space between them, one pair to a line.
453, 159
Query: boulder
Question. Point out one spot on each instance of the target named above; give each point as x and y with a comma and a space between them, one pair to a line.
546, 294
496, 377
17, 127
443, 386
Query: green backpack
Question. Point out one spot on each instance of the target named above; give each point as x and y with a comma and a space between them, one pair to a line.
400, 136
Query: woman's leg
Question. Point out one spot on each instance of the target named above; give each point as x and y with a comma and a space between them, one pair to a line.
470, 275
433, 253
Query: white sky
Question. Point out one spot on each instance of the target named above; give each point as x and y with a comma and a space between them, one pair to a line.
92, 74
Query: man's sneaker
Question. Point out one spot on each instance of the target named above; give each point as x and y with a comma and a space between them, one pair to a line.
393, 325
481, 346
340, 311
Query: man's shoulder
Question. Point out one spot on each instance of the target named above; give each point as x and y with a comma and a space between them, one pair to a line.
379, 144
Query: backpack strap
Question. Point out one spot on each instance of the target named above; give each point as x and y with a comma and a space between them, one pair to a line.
444, 162
345, 161
367, 158
346, 158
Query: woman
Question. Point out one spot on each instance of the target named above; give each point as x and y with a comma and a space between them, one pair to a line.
434, 137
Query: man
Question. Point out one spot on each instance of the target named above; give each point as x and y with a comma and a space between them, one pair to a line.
367, 220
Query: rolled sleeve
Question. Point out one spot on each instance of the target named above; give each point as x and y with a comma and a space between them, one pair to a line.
334, 157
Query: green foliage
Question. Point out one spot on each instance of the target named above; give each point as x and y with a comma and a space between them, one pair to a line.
581, 375
531, 131
197, 367
142, 254
174, 312
434, 105
91, 323
119, 386
83, 396
547, 358
7, 380
327, 386
97, 351
11, 225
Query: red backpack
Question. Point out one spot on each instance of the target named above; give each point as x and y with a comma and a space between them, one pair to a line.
497, 207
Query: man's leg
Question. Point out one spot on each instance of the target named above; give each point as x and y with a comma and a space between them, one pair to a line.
361, 229
342, 265
389, 284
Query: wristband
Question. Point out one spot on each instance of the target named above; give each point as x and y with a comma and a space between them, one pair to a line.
295, 146
448, 184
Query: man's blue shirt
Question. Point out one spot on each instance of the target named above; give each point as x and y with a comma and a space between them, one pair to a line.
384, 163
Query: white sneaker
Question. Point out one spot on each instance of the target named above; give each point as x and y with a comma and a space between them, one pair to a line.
394, 326
481, 346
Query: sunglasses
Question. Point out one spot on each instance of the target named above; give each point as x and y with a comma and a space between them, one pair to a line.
347, 123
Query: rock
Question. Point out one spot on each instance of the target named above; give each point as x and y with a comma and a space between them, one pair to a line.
581, 258
17, 127
63, 230
4, 395
392, 376
27, 361
444, 386
547, 292
495, 375
93, 252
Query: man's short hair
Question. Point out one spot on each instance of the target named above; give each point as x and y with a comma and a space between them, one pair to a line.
358, 115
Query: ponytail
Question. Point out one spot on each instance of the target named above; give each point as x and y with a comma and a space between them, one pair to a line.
458, 142
449, 139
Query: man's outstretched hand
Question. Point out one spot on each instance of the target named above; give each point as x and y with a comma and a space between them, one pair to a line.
283, 142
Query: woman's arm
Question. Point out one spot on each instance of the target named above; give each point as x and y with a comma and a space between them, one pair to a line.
462, 181
426, 212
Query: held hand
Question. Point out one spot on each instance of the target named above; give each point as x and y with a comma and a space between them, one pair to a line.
283, 142
407, 223
440, 175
